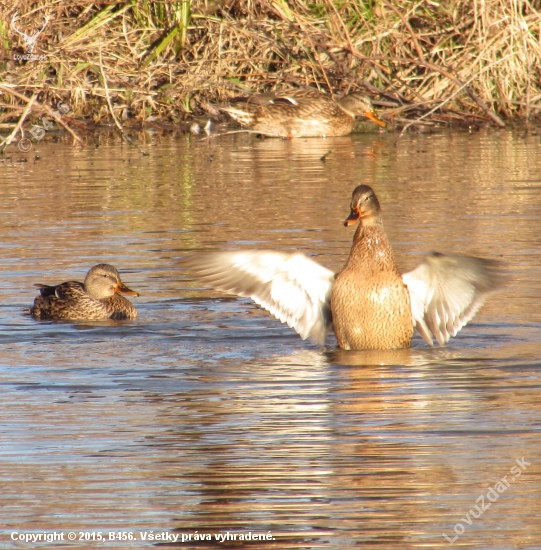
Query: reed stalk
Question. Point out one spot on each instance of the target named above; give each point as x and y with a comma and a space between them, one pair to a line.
451, 61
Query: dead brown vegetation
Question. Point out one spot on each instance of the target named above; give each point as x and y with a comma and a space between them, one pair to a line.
442, 60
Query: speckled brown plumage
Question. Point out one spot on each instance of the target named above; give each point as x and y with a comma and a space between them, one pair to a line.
370, 303
301, 113
95, 300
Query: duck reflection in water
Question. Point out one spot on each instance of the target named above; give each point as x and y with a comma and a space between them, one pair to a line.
369, 304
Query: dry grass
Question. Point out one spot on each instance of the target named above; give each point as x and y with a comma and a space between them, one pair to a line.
448, 60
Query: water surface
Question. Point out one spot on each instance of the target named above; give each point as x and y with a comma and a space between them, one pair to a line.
206, 414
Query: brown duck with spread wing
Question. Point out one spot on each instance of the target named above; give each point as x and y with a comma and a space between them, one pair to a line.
369, 304
97, 299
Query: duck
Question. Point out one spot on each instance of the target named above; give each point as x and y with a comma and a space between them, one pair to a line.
97, 299
369, 304
301, 113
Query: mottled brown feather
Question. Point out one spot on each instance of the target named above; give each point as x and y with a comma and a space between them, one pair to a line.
301, 113
73, 300
369, 304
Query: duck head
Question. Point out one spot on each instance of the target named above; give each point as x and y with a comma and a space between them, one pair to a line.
358, 104
364, 206
103, 280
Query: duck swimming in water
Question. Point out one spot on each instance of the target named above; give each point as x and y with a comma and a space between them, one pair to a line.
97, 299
369, 304
301, 113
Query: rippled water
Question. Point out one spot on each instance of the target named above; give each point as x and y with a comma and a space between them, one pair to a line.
206, 415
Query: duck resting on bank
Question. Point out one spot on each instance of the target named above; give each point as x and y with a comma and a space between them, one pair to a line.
97, 299
301, 113
369, 304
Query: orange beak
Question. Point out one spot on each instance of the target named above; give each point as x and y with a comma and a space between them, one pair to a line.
121, 288
374, 117
353, 217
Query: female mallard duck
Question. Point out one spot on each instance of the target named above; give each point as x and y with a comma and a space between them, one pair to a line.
301, 113
95, 300
369, 304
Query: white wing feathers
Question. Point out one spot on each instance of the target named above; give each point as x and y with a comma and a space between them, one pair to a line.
291, 286
446, 292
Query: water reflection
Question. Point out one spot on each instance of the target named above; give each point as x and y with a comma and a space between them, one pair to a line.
206, 413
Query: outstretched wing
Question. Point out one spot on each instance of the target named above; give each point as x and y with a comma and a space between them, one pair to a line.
446, 292
291, 286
